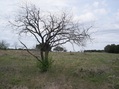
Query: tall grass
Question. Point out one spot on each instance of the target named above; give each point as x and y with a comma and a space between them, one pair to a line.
18, 70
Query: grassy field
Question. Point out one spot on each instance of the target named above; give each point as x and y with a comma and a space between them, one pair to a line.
77, 71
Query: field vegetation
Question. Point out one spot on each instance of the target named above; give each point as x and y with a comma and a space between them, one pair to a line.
18, 70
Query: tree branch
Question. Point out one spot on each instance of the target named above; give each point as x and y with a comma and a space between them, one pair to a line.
30, 52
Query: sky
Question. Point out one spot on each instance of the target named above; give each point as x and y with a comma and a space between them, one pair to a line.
103, 14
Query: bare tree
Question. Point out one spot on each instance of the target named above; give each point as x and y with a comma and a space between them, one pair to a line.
4, 45
50, 30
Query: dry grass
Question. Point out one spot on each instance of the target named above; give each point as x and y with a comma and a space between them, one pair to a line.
79, 71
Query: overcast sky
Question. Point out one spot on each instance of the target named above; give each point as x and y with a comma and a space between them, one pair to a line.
104, 14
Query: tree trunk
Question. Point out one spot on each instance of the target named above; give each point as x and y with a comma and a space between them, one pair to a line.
42, 56
45, 62
46, 55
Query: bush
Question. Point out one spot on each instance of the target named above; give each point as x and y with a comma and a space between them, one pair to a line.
45, 64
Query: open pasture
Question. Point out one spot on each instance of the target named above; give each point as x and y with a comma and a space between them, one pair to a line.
18, 70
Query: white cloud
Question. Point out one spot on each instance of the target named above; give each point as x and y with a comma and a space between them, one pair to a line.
113, 22
47, 5
87, 17
101, 11
96, 4
117, 15
99, 4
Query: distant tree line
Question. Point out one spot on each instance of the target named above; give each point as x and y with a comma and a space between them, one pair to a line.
112, 48
94, 50
59, 49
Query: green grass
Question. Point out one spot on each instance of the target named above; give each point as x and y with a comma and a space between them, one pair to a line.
18, 70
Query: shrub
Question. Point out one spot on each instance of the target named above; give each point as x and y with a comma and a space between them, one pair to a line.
45, 64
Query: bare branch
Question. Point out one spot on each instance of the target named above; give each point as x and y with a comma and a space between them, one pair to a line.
29, 51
